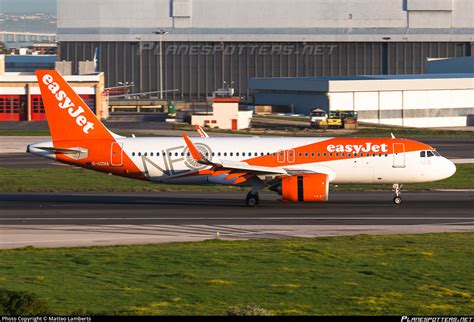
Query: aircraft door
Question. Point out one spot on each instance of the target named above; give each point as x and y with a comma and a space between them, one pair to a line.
116, 158
281, 156
398, 155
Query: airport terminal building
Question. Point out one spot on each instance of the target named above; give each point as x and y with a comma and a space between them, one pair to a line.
209, 42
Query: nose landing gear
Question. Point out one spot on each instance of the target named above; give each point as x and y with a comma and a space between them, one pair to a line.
396, 189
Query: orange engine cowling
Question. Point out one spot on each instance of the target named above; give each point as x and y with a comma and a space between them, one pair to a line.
305, 188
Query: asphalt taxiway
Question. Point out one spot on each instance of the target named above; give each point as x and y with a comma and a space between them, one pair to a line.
46, 220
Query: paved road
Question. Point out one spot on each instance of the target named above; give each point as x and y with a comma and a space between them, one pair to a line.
101, 219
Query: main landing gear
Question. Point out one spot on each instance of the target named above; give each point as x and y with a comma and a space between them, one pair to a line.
252, 199
396, 189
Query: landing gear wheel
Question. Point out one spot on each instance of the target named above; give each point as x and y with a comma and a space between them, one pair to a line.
397, 200
252, 199
396, 188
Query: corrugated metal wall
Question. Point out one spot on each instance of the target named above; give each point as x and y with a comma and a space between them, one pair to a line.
196, 69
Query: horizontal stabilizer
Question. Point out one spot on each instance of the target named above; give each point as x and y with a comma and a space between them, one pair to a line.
63, 150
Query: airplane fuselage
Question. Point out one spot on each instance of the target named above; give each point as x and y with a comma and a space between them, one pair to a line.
345, 160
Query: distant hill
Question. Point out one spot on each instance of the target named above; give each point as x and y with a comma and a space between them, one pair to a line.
28, 6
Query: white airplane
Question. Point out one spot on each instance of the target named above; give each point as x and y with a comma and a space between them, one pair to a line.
298, 168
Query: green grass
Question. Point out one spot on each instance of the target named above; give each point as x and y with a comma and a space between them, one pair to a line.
462, 179
363, 275
81, 180
24, 132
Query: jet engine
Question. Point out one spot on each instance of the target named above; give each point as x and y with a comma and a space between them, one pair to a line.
313, 187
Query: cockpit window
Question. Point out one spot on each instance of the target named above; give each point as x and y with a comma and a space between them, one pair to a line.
436, 153
422, 154
430, 154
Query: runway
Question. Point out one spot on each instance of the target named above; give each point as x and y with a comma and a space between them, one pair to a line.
46, 220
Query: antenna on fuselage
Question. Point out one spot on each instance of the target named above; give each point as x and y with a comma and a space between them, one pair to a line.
393, 136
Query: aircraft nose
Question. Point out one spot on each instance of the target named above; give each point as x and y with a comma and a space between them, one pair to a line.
449, 168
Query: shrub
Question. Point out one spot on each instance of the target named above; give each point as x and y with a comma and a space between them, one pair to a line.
13, 303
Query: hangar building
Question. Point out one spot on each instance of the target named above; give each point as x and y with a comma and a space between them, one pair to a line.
429, 100
209, 42
20, 95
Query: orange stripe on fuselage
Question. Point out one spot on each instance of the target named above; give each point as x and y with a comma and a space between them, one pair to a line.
309, 153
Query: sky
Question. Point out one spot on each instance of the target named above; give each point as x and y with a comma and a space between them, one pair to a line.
28, 6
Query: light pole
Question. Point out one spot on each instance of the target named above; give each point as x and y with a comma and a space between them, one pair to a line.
161, 32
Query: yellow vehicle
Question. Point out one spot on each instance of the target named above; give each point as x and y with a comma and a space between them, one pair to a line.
335, 120
338, 119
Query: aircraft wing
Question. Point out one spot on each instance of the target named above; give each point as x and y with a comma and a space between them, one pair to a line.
234, 169
244, 166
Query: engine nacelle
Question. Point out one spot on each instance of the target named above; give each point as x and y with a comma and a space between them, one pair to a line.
304, 188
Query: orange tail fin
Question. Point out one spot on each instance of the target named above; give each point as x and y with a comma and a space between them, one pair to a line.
69, 118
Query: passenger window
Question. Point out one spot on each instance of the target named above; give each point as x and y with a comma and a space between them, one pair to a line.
300, 154
312, 154
225, 154
188, 154
324, 154
218, 154
306, 154
319, 154
146, 153
243, 154
139, 154
133, 154
157, 154
337, 154
231, 154
213, 154
422, 154
237, 154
